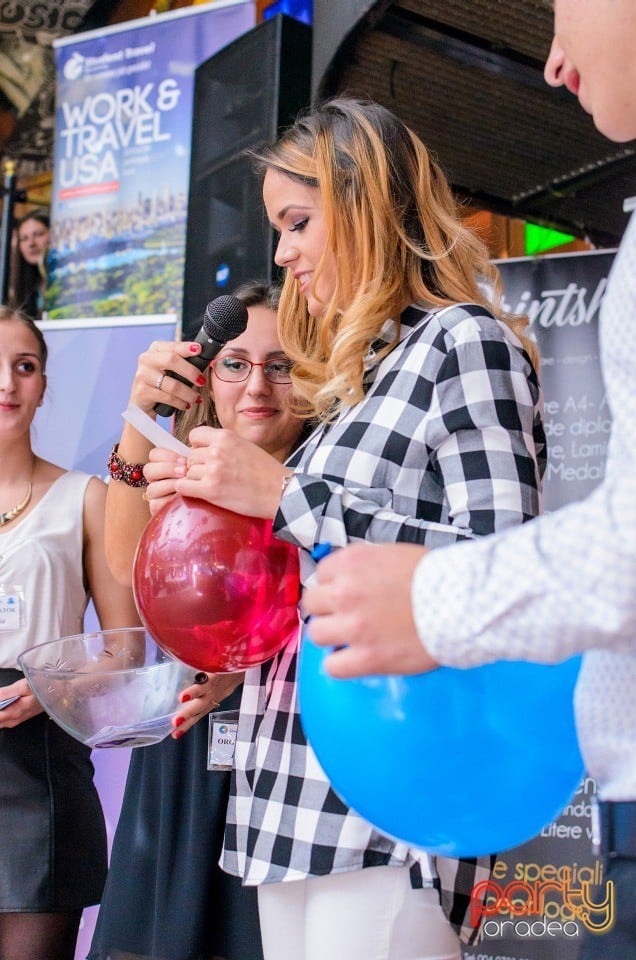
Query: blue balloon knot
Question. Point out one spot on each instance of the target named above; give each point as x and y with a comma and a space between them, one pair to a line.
320, 551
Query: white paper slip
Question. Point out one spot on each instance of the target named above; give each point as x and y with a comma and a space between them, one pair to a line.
151, 430
7, 702
142, 734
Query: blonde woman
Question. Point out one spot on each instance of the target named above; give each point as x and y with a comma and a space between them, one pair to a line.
430, 433
566, 584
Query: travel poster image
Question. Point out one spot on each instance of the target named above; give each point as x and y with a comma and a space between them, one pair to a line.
122, 161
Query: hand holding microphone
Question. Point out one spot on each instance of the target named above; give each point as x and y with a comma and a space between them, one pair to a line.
225, 319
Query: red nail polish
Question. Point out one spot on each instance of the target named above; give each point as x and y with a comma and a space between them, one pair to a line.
199, 399
177, 735
200, 380
194, 348
179, 721
185, 697
188, 405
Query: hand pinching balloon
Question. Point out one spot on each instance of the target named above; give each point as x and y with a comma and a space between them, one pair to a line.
459, 762
215, 589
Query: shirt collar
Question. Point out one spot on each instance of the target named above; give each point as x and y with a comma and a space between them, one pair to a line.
408, 319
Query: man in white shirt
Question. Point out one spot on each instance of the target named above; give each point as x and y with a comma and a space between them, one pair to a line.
560, 585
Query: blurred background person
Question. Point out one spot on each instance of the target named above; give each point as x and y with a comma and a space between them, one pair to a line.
29, 269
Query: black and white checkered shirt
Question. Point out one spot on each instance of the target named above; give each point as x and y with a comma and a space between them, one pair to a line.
447, 444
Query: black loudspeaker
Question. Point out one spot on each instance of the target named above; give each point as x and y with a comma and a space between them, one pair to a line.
243, 97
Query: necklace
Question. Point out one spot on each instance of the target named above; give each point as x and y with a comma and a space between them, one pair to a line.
17, 510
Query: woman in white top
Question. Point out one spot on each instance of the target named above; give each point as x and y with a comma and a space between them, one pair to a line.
52, 836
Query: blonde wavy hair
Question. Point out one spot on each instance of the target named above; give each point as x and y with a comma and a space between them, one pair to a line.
393, 229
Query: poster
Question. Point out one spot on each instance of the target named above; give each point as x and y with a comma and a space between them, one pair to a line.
122, 160
546, 892
562, 295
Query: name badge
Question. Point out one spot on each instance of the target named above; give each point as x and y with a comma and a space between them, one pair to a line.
222, 739
11, 607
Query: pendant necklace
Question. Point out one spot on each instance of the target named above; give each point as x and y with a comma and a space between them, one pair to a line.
17, 510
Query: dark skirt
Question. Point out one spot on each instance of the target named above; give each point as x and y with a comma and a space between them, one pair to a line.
166, 897
52, 832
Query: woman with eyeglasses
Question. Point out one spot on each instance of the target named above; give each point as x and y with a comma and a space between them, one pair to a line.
165, 894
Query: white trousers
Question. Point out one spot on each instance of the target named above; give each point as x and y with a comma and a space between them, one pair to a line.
369, 914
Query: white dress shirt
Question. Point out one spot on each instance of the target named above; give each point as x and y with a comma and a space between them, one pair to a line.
564, 583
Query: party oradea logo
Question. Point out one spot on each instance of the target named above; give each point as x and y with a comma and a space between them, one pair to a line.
545, 908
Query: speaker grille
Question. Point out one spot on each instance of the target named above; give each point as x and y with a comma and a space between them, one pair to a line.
243, 97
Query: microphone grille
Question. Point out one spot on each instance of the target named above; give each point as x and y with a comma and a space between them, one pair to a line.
225, 318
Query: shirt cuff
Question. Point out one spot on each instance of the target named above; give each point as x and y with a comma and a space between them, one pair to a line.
442, 598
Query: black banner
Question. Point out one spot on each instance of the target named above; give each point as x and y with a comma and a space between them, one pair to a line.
545, 893
562, 296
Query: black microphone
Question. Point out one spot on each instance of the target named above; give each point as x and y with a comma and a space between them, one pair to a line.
225, 319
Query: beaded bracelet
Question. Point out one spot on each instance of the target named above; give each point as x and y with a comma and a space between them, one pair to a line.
132, 474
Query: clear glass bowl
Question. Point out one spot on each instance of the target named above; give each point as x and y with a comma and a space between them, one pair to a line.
111, 688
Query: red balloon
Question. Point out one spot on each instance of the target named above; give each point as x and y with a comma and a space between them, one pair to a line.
216, 589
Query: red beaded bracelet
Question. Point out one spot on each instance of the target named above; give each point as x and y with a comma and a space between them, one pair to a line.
132, 474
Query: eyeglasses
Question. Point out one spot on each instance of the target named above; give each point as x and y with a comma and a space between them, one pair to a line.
237, 369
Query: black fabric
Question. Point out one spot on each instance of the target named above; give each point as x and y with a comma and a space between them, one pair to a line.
52, 832
166, 898
39, 936
618, 829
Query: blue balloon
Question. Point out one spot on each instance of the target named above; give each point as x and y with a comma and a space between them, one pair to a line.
460, 763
